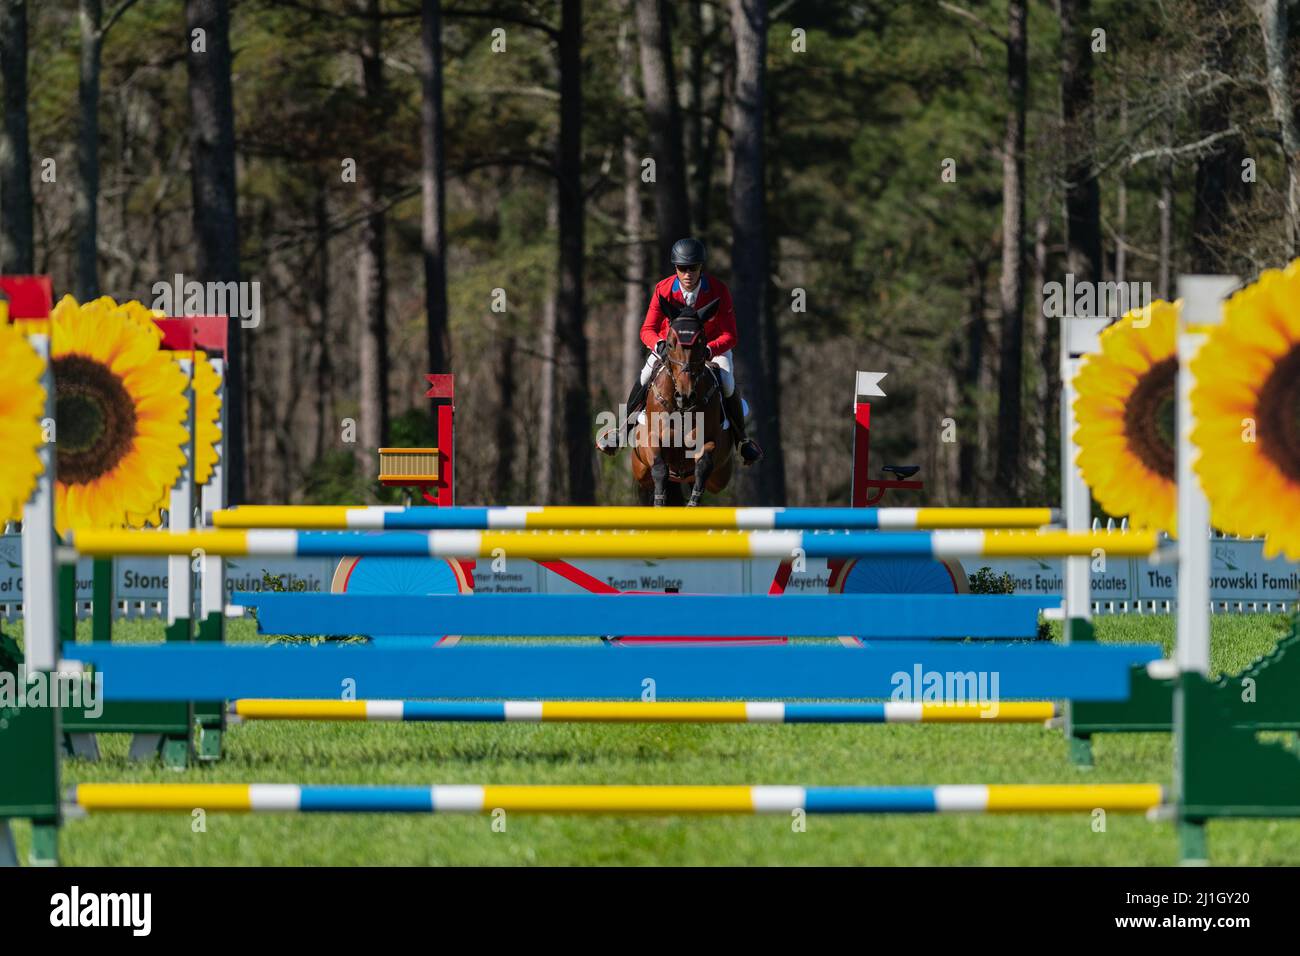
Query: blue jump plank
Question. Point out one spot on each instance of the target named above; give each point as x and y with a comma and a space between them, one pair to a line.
929, 671
872, 616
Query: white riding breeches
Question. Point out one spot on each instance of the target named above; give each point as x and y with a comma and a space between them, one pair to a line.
723, 362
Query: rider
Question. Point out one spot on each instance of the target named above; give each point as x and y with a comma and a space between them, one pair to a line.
692, 287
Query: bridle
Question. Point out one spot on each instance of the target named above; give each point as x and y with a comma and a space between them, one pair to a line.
694, 368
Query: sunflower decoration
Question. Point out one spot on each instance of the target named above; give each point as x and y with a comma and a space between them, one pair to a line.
22, 404
121, 410
204, 386
1247, 407
207, 417
1126, 409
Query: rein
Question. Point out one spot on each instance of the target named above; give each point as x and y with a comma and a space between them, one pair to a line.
676, 398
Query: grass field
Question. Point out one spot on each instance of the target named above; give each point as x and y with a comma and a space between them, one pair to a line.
296, 752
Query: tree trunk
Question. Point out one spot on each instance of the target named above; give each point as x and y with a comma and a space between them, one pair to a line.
326, 427
432, 188
504, 481
672, 212
546, 443
1044, 381
708, 153
280, 438
635, 294
1218, 173
972, 436
372, 271
17, 249
696, 58
86, 203
1011, 285
1166, 210
216, 220
1273, 22
1082, 192
571, 337
1121, 199
759, 365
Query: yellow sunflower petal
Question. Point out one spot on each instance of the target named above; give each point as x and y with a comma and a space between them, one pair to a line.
1245, 401
22, 405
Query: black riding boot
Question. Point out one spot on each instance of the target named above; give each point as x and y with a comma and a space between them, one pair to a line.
748, 448
609, 442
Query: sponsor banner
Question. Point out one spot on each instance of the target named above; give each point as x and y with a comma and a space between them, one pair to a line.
511, 577
688, 577
1047, 577
137, 579
814, 578
11, 576
307, 574
1238, 572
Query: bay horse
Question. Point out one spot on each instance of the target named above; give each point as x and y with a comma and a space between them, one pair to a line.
682, 440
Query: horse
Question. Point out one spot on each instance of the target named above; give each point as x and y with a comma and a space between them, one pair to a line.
683, 439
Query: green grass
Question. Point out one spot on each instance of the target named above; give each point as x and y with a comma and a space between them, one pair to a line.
269, 752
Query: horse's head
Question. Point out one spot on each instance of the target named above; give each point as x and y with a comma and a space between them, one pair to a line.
687, 353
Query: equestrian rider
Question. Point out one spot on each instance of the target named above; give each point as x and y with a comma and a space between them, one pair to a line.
692, 287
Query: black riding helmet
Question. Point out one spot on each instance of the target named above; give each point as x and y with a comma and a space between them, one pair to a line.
688, 252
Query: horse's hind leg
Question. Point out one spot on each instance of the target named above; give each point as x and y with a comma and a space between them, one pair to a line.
703, 468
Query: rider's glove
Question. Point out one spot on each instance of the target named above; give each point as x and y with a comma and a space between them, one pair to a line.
660, 347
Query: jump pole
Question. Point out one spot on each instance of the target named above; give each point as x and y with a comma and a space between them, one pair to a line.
557, 545
875, 617
612, 799
826, 671
563, 518
657, 712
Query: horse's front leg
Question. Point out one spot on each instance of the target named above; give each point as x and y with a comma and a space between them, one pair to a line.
659, 472
703, 468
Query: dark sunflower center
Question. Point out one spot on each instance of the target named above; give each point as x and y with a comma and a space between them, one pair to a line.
1149, 419
1279, 415
96, 419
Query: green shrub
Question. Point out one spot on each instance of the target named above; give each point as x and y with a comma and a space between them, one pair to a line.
987, 581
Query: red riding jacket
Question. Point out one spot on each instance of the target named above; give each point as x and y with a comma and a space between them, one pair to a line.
719, 330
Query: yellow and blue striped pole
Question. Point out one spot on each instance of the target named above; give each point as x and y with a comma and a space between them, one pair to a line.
661, 712
563, 518
609, 799
562, 545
